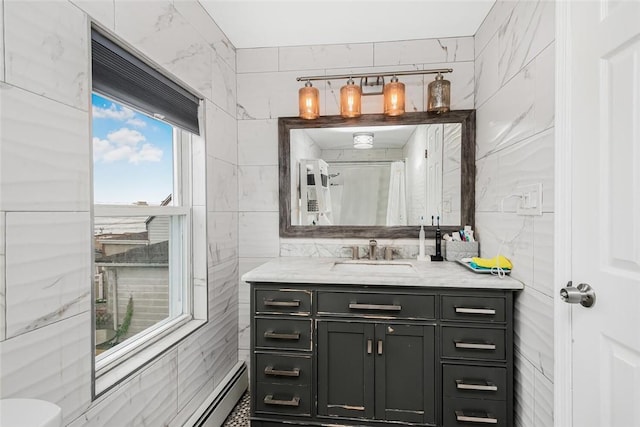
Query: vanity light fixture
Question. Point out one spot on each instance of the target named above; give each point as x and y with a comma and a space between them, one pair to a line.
350, 100
394, 94
394, 98
439, 95
308, 99
362, 140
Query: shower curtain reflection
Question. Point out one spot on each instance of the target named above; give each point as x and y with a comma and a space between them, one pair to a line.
396, 204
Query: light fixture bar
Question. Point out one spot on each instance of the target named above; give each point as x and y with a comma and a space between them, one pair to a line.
385, 74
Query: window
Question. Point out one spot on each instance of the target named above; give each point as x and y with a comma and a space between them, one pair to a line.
143, 170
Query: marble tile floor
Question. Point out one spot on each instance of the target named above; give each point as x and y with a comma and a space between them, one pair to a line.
239, 417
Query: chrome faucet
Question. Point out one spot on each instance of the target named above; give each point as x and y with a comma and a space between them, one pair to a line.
372, 249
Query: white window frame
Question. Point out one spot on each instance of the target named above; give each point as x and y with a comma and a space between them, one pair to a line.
116, 364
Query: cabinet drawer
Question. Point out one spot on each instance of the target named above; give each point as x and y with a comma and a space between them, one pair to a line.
372, 304
283, 399
283, 301
478, 382
473, 309
474, 412
473, 343
283, 369
283, 333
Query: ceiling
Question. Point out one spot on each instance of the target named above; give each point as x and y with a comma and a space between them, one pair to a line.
341, 138
269, 23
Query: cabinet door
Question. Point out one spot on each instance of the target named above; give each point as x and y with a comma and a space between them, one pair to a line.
405, 373
345, 369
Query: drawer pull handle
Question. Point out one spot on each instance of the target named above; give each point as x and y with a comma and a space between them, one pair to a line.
295, 336
468, 310
487, 386
369, 346
273, 303
380, 347
295, 372
269, 400
382, 307
463, 418
475, 345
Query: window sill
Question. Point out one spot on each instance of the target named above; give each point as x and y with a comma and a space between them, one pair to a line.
119, 371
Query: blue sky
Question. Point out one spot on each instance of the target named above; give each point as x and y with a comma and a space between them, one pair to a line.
132, 155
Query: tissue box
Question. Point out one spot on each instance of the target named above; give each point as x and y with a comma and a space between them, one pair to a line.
458, 250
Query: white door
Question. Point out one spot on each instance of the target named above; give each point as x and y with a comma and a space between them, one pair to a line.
603, 128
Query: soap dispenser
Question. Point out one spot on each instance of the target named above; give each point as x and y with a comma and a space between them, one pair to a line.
421, 256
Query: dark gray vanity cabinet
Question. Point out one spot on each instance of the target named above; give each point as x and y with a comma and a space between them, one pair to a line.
361, 355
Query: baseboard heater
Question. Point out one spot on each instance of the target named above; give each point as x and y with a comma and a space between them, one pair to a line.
217, 407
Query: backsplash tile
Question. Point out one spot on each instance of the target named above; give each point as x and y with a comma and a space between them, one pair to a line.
258, 232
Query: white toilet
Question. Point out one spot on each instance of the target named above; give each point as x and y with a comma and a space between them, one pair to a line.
29, 413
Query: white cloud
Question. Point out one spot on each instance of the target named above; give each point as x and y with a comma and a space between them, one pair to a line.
113, 112
125, 144
139, 123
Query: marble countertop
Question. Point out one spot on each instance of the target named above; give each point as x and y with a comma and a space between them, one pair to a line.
407, 273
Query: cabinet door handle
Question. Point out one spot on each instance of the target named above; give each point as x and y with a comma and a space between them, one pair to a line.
475, 345
463, 418
295, 372
381, 307
295, 336
487, 386
380, 347
369, 346
469, 310
269, 400
273, 303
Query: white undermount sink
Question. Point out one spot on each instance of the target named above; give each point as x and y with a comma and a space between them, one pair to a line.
373, 267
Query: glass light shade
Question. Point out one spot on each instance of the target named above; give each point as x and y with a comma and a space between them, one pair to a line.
350, 100
394, 98
439, 95
308, 99
362, 140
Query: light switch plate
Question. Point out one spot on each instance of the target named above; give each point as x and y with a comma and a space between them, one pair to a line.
531, 199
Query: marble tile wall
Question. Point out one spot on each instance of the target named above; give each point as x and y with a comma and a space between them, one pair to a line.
45, 204
514, 98
267, 89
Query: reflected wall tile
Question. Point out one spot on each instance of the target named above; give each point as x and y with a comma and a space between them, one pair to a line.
258, 142
222, 134
543, 254
222, 185
486, 72
545, 89
51, 363
271, 95
258, 188
165, 36
508, 116
530, 161
100, 10
259, 234
524, 391
224, 86
544, 400
193, 12
533, 329
496, 18
259, 60
43, 167
46, 50
325, 56
530, 28
149, 398
223, 237
47, 268
427, 51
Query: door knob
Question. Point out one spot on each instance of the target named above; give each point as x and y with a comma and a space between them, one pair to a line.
583, 294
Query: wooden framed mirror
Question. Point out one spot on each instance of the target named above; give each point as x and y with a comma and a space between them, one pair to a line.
421, 165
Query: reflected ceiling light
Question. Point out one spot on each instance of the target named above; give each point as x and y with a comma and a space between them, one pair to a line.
439, 95
350, 100
394, 98
362, 140
308, 100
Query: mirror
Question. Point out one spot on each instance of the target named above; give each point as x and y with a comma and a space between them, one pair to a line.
420, 165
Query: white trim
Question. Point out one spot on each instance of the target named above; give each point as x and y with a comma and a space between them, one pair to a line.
562, 385
135, 210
